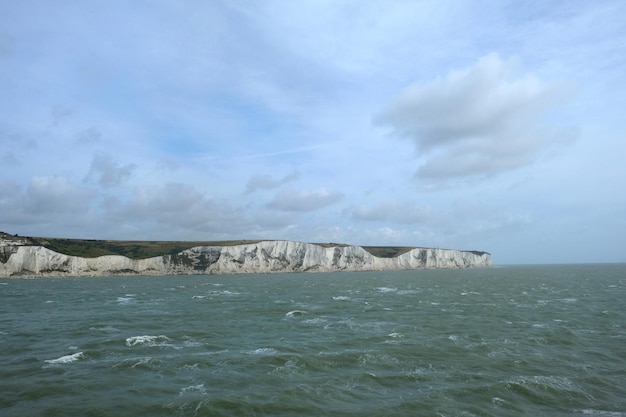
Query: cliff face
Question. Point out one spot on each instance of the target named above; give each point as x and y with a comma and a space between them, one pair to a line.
262, 257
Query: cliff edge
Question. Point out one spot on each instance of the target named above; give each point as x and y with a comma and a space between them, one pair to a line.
22, 259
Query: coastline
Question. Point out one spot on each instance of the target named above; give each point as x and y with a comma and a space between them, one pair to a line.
270, 256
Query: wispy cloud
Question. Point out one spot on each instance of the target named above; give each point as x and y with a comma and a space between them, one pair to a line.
267, 182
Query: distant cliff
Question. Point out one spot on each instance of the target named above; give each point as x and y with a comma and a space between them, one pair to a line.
23, 260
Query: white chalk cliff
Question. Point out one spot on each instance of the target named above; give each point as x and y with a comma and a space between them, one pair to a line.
263, 257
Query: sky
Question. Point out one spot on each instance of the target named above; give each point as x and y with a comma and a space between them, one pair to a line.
488, 125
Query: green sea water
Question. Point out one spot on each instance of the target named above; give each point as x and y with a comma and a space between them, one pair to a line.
504, 341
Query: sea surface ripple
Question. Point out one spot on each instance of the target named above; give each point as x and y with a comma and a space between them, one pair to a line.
504, 341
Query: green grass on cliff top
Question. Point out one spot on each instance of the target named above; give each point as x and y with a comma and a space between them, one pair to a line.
136, 249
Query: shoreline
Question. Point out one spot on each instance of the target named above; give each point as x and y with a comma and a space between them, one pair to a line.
270, 256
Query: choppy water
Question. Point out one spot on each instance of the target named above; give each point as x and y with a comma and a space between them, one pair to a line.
542, 340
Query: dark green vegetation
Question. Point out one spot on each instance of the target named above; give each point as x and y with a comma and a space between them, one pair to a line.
138, 249
134, 249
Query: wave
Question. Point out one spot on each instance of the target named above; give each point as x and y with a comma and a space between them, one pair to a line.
66, 359
148, 340
264, 352
316, 320
142, 363
193, 389
341, 298
602, 413
295, 313
125, 300
225, 292
104, 329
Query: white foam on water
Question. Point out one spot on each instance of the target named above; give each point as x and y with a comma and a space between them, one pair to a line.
602, 413
199, 388
295, 313
104, 329
216, 352
148, 340
316, 320
192, 343
408, 292
264, 352
66, 359
554, 382
341, 298
137, 362
125, 300
199, 296
395, 335
386, 289
225, 292
498, 401
289, 368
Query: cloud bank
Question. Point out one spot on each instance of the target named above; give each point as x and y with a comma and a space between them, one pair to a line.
477, 121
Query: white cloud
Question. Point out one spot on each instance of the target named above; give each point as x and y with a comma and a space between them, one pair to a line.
478, 121
291, 200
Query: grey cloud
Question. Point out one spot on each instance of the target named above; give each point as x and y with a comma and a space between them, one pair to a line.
291, 200
44, 201
178, 207
182, 211
8, 191
56, 195
9, 159
89, 136
266, 182
107, 172
475, 122
168, 164
60, 114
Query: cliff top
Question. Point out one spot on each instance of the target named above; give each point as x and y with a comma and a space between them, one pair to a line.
138, 249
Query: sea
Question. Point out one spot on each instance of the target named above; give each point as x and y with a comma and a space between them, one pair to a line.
502, 341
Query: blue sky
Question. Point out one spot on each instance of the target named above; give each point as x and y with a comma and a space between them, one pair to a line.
488, 125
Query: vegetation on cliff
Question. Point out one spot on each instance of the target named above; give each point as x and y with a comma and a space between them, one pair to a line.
137, 249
